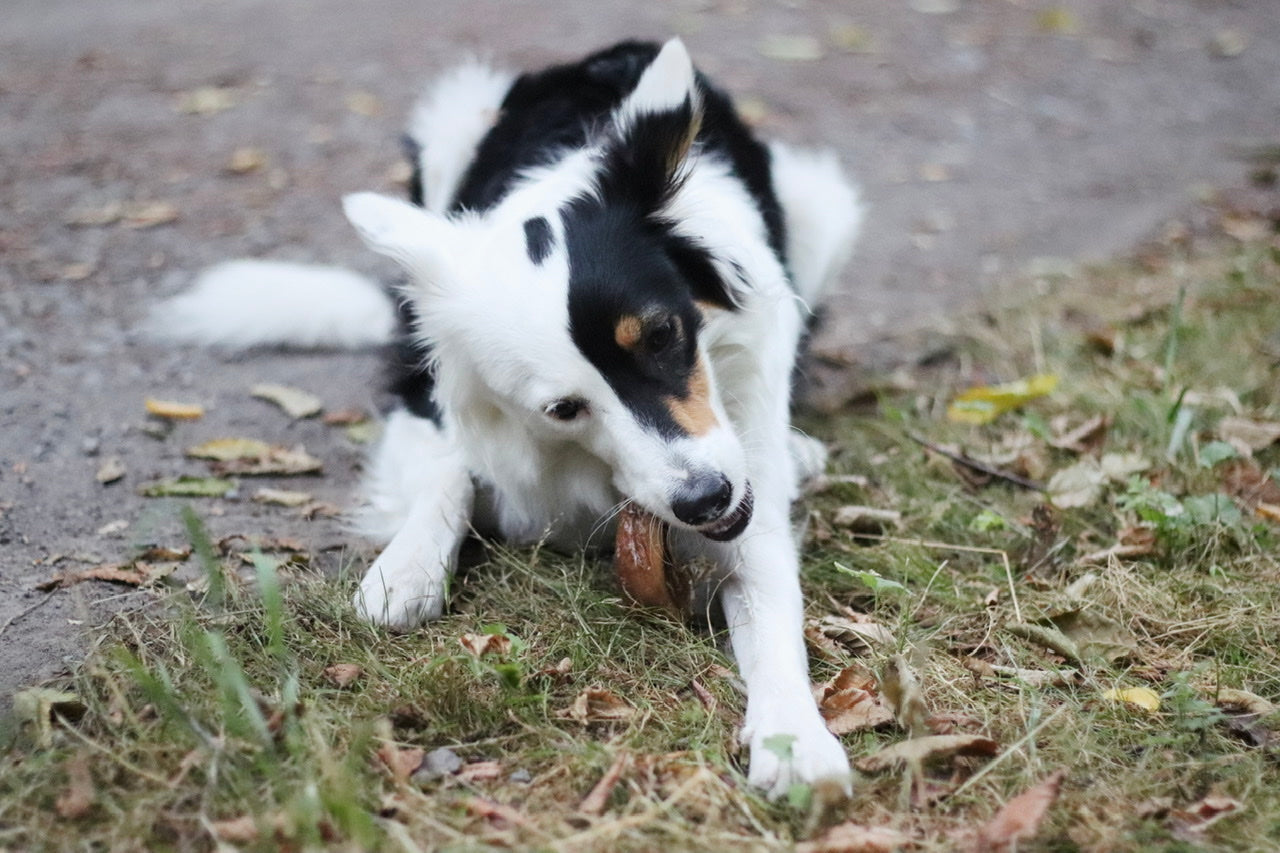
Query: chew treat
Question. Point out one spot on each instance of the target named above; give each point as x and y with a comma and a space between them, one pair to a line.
640, 559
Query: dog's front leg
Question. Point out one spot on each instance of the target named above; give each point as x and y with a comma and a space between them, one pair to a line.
408, 583
788, 737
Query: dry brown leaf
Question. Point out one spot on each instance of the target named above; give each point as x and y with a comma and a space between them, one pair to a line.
1020, 818
851, 702
400, 761
594, 802
1096, 636
486, 644
343, 674
226, 449
860, 632
856, 838
246, 159
1197, 817
558, 672
78, 799
136, 574
165, 553
320, 509
595, 705
1087, 438
173, 410
295, 402
866, 519
928, 748
489, 810
1244, 480
1248, 434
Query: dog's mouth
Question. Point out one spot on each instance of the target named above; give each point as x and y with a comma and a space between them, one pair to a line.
733, 523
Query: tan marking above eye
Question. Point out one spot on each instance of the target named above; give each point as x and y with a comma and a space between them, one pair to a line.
694, 413
627, 331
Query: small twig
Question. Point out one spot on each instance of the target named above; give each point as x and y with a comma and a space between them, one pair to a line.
22, 614
976, 465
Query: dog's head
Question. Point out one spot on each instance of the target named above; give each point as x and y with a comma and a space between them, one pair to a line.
575, 309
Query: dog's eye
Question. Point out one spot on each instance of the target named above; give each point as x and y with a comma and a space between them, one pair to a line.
567, 409
661, 336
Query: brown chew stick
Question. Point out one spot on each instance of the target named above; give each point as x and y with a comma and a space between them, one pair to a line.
639, 558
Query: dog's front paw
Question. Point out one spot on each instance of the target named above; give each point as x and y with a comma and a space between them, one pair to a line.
787, 754
399, 597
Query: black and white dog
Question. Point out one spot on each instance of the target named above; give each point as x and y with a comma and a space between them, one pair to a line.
609, 278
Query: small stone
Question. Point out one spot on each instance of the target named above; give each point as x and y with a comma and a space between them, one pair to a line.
438, 763
90, 446
520, 777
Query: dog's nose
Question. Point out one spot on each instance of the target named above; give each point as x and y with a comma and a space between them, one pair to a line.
703, 499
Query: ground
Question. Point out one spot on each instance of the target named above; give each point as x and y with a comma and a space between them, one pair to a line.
988, 136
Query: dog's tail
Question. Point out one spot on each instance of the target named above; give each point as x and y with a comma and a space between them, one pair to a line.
823, 213
248, 303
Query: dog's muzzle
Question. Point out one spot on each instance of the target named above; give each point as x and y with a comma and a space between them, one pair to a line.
731, 525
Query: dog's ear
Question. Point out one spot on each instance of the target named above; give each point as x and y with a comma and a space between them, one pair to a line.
409, 235
654, 129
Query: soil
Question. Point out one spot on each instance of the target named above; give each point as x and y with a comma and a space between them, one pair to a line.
988, 135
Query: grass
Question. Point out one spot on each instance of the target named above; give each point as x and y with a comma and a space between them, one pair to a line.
212, 720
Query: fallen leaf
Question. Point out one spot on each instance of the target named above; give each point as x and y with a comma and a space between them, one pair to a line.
486, 644
281, 497
856, 838
148, 214
172, 410
277, 461
343, 674
855, 634
187, 487
596, 705
1078, 485
138, 574
1095, 636
206, 100
320, 509
295, 402
246, 159
225, 449
1249, 434
1192, 821
791, 48
363, 432
597, 799
489, 810
111, 470
400, 761
983, 404
851, 702
80, 795
1119, 467
928, 748
94, 217
1243, 701
1020, 818
38, 706
1244, 480
1139, 697
1029, 677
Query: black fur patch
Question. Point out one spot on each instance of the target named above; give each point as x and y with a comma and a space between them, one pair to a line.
538, 239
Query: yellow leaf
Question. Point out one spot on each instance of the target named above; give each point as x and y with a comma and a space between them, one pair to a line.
174, 411
984, 404
225, 449
1140, 697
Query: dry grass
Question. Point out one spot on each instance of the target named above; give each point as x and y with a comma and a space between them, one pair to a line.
213, 721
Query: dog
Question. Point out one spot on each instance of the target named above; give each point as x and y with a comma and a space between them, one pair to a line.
609, 279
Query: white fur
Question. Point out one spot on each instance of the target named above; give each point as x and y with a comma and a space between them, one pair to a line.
823, 215
497, 325
241, 304
448, 123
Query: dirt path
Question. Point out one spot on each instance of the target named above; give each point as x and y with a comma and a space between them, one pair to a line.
987, 133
